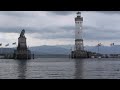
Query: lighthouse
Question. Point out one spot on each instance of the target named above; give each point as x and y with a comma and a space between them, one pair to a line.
78, 32
79, 51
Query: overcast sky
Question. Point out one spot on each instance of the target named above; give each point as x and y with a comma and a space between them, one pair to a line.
57, 27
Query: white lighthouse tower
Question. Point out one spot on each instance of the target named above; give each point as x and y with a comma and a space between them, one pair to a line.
79, 51
78, 33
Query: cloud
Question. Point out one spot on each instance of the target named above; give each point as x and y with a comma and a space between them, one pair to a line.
109, 12
61, 12
18, 13
68, 28
55, 33
64, 13
59, 25
91, 33
15, 30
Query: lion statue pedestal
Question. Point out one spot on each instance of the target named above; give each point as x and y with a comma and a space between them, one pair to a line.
22, 51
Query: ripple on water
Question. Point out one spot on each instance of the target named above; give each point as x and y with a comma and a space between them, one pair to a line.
60, 68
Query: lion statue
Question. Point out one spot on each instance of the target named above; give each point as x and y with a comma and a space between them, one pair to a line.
22, 33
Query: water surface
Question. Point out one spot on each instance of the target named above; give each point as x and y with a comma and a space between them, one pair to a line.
60, 68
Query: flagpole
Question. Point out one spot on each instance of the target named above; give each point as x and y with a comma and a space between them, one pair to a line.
15, 48
98, 47
14, 44
0, 50
8, 50
70, 52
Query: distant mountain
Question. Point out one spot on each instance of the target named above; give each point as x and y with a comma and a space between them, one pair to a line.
65, 49
105, 49
49, 50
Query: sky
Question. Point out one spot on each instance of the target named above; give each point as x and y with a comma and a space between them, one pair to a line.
57, 27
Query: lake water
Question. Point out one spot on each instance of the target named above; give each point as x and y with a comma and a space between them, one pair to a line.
60, 68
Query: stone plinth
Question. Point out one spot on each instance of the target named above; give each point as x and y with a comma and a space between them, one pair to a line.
22, 51
79, 54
